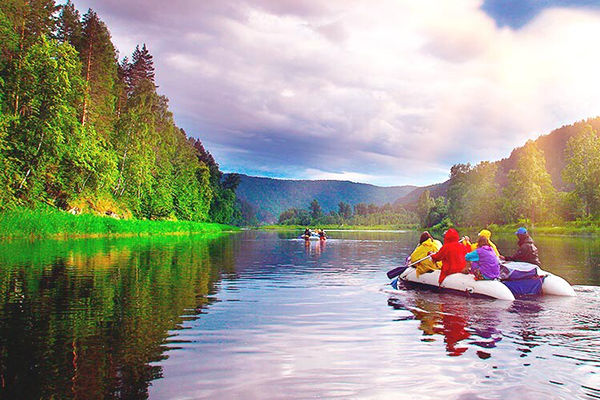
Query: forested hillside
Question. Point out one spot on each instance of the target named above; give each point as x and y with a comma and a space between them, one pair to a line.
553, 146
270, 197
552, 180
82, 131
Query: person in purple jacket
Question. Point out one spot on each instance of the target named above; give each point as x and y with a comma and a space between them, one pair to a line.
484, 262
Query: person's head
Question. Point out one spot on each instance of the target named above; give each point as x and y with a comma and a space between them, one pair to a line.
482, 241
485, 233
451, 236
424, 236
521, 233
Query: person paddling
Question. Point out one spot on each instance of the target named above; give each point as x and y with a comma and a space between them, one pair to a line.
322, 235
307, 233
452, 254
427, 244
527, 251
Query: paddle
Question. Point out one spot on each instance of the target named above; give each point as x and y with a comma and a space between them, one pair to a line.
398, 270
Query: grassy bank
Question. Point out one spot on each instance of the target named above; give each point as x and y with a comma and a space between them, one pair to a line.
338, 227
573, 228
26, 223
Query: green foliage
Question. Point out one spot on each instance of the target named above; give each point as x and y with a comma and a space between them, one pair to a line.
76, 126
46, 127
365, 215
437, 213
315, 209
443, 225
344, 210
424, 206
583, 168
481, 196
294, 216
457, 191
45, 223
529, 192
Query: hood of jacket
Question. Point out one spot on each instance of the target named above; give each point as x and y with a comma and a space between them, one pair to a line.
485, 233
451, 236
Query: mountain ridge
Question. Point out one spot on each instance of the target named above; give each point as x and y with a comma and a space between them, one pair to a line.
271, 196
552, 144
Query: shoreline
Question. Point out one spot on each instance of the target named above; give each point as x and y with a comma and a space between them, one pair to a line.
587, 231
56, 224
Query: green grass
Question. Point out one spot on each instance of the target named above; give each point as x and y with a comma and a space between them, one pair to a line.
338, 227
570, 228
26, 223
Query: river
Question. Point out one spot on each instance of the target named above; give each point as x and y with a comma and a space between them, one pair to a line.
263, 315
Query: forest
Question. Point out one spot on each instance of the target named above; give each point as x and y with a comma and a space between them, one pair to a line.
86, 131
361, 214
490, 193
482, 195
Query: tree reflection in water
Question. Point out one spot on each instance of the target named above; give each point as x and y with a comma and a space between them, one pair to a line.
87, 318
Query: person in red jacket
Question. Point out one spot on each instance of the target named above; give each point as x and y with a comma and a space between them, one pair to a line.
452, 254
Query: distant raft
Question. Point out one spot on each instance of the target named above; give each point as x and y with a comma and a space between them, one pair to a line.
313, 236
519, 284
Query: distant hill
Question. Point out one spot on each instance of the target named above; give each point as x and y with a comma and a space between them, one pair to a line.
410, 200
553, 145
270, 196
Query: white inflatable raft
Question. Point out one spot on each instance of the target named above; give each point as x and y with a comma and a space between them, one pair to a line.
553, 285
311, 237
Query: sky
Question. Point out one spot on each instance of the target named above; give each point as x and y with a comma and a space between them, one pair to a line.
388, 92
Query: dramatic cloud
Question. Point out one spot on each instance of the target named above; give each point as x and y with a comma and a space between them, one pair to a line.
381, 91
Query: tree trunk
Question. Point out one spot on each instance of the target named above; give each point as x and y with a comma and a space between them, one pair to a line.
87, 81
21, 47
37, 152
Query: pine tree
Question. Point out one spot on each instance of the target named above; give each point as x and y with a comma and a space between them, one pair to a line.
98, 57
315, 209
424, 206
69, 28
141, 68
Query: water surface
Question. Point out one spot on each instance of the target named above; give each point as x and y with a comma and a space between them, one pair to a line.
257, 314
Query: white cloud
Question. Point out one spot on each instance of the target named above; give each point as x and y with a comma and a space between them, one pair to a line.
381, 91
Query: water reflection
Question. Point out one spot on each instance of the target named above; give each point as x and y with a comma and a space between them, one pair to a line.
86, 318
452, 319
260, 314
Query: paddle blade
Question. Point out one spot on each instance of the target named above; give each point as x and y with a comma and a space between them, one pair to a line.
395, 272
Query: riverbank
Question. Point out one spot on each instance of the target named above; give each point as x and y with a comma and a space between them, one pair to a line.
573, 228
27, 223
338, 227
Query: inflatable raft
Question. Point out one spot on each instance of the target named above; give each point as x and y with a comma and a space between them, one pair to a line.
551, 284
311, 237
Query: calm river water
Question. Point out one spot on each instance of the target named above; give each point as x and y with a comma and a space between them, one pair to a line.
262, 315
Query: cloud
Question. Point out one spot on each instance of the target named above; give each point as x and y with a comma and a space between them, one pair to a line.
386, 91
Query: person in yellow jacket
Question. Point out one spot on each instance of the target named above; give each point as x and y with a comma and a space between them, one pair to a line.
486, 234
427, 244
